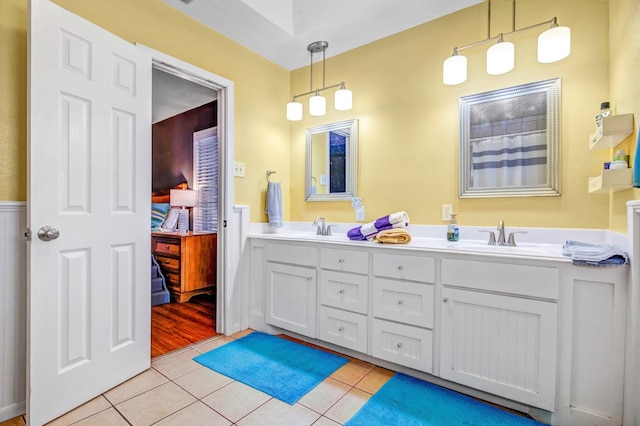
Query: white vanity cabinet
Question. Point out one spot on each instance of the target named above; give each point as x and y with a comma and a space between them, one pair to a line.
344, 297
533, 333
291, 288
499, 329
403, 309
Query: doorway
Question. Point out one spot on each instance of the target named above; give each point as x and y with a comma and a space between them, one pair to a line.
181, 107
192, 86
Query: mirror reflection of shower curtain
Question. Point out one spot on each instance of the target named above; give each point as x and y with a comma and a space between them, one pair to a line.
509, 161
337, 162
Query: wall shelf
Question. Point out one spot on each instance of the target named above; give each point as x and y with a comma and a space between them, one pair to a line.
611, 180
615, 129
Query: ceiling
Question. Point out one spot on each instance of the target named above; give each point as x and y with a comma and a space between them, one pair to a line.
281, 30
172, 95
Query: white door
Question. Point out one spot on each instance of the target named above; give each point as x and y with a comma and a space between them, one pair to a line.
89, 179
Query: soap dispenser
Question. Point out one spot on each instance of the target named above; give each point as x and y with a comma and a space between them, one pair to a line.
452, 229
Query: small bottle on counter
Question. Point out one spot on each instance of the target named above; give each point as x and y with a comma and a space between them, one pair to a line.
453, 233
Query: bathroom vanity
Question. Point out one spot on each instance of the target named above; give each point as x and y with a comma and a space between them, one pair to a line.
519, 326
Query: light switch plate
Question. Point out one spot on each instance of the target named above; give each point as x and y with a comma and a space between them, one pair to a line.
238, 169
360, 213
447, 209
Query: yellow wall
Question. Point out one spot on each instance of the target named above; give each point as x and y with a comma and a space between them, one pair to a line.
408, 118
13, 100
261, 87
624, 51
408, 125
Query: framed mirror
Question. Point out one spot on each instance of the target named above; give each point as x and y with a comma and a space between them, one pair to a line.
331, 161
510, 142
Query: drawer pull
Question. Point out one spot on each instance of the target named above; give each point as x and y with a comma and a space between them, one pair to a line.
167, 247
400, 268
309, 278
167, 262
340, 260
399, 344
445, 300
341, 291
400, 302
341, 329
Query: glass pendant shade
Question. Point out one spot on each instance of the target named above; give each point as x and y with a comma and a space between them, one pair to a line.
294, 111
454, 70
343, 100
500, 58
317, 105
554, 44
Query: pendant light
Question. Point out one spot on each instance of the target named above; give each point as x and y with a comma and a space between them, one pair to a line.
317, 105
553, 45
454, 69
500, 57
343, 98
294, 111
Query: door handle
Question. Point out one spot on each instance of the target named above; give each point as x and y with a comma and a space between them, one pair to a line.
47, 233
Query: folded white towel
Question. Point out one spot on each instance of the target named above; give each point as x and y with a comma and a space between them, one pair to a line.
274, 204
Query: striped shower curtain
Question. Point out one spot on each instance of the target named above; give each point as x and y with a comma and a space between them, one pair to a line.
509, 161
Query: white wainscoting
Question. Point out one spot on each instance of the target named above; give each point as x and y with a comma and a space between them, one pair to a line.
13, 309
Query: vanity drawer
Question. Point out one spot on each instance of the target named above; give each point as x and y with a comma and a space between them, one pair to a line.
344, 291
403, 344
345, 260
169, 247
291, 253
525, 280
168, 263
404, 267
342, 328
410, 303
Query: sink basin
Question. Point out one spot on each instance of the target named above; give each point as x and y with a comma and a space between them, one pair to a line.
528, 249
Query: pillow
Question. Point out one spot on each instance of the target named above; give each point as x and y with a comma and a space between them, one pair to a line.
158, 214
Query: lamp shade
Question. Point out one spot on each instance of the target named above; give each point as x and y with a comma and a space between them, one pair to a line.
500, 58
183, 197
454, 70
317, 105
294, 111
554, 44
343, 100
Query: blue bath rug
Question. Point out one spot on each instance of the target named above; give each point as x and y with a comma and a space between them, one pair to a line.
407, 401
281, 368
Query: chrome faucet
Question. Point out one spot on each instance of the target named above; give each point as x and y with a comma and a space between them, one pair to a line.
501, 239
321, 228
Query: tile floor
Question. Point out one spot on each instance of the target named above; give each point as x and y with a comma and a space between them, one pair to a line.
178, 391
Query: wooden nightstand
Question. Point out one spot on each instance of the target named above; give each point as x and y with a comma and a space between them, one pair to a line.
188, 261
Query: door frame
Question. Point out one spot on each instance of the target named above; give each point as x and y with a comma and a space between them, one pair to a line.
226, 226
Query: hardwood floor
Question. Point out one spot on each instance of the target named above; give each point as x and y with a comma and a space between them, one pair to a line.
176, 325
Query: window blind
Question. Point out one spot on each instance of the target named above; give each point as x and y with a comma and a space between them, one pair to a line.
205, 164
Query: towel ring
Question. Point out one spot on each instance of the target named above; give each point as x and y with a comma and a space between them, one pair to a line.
269, 173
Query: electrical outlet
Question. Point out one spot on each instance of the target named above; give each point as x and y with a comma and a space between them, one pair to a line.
447, 209
360, 213
238, 169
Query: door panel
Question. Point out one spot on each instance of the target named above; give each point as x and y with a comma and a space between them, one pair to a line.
89, 178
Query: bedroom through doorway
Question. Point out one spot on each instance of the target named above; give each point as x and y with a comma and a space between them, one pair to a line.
184, 265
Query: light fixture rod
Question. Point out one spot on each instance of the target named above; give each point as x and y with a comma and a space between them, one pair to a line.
318, 90
477, 43
488, 19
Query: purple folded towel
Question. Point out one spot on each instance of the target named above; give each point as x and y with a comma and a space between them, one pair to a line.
369, 230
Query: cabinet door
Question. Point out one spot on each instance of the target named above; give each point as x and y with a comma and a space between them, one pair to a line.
291, 298
500, 344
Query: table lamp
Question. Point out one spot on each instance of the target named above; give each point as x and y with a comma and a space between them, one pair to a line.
183, 198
